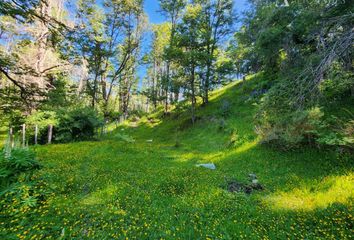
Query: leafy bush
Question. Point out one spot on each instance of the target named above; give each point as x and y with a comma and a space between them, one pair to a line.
113, 116
20, 197
77, 124
342, 135
20, 188
136, 114
15, 162
338, 84
291, 130
307, 126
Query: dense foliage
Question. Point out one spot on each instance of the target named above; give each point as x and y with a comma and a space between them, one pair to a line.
14, 163
77, 124
305, 50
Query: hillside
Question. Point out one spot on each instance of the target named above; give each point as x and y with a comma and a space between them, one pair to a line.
141, 182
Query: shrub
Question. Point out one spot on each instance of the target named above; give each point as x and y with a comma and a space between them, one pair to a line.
338, 84
308, 126
77, 124
136, 114
20, 189
342, 135
113, 116
291, 130
14, 162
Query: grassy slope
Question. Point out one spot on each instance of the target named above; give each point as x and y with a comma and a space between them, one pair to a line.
141, 190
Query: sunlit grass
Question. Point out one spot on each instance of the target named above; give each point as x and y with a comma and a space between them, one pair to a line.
333, 189
247, 146
219, 92
100, 196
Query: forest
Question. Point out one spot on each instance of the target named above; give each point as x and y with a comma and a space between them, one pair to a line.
176, 119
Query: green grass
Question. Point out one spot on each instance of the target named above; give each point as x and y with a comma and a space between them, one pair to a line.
3, 136
126, 187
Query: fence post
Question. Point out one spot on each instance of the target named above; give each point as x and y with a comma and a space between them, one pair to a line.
23, 135
36, 134
50, 133
11, 133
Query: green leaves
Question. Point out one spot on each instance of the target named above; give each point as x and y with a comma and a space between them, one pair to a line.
42, 119
29, 202
77, 124
15, 162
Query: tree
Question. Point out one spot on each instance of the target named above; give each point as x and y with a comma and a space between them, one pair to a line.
190, 49
217, 21
29, 59
173, 11
109, 41
157, 70
299, 47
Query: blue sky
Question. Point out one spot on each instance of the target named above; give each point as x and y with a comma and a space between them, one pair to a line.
151, 8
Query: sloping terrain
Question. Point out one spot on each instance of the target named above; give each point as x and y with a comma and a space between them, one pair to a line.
141, 182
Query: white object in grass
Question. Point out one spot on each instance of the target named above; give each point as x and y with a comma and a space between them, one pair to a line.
207, 165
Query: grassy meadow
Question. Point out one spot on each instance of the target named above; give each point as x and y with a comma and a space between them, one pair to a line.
140, 182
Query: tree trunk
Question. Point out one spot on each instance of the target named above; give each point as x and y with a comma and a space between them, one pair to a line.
36, 135
206, 84
11, 135
93, 102
210, 51
154, 83
23, 135
166, 85
50, 134
193, 95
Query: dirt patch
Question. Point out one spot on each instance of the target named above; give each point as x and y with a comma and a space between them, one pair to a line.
248, 188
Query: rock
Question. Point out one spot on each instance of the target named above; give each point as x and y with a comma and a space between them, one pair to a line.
207, 165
